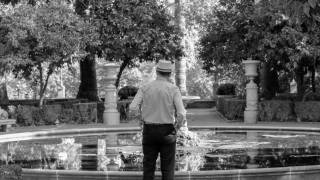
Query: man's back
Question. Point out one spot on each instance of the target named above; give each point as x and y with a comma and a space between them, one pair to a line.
158, 102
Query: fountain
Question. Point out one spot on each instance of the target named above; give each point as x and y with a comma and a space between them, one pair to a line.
227, 152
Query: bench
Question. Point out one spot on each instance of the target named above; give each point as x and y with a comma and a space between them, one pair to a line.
6, 124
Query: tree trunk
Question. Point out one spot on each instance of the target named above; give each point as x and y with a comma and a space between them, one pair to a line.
4, 100
180, 64
122, 67
41, 100
313, 80
300, 82
88, 77
43, 84
269, 81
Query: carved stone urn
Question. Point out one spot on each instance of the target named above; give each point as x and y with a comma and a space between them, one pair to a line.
251, 111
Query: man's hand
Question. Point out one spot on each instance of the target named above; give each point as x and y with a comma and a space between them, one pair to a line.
180, 122
135, 116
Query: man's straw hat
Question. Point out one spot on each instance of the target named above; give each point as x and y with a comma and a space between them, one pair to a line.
164, 66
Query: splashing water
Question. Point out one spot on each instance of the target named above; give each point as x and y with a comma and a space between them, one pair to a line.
186, 138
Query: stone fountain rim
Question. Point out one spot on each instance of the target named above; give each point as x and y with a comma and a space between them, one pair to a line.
215, 173
41, 134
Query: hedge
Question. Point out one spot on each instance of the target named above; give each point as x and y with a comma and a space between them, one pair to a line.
308, 111
66, 113
220, 102
276, 110
10, 172
271, 110
232, 108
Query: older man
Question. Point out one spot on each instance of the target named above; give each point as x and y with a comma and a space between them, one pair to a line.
163, 113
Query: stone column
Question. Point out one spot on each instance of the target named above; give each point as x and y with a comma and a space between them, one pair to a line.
251, 111
111, 116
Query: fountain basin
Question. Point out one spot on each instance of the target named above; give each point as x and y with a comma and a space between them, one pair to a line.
295, 172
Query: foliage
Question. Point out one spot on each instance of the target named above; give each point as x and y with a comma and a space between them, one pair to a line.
64, 113
198, 13
285, 34
11, 172
42, 38
289, 110
233, 108
21, 88
3, 114
134, 31
225, 41
276, 110
221, 103
127, 91
307, 111
32, 116
24, 115
226, 89
199, 83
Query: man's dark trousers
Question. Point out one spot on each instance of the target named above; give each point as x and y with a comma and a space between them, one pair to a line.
159, 138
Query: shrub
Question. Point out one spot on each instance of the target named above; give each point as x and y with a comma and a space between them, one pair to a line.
311, 96
39, 116
84, 113
10, 172
234, 108
307, 111
127, 91
226, 89
276, 110
100, 110
24, 115
221, 104
286, 97
3, 114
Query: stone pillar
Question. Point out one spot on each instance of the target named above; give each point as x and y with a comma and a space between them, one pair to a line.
251, 111
111, 116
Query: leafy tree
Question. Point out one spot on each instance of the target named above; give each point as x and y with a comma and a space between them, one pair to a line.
278, 33
134, 31
43, 38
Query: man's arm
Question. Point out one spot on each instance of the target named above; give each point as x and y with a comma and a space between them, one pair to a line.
135, 107
181, 119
